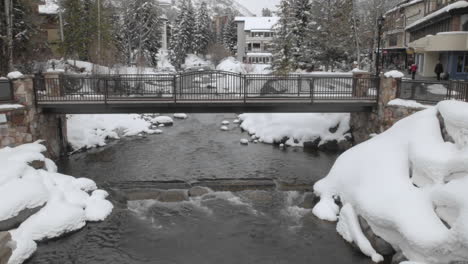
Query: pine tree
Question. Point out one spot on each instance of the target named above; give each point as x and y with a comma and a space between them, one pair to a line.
282, 54
76, 40
230, 33
203, 32
139, 36
266, 12
182, 40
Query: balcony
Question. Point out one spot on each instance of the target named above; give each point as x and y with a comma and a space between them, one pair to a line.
446, 41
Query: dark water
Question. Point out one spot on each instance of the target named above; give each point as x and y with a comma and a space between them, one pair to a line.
220, 227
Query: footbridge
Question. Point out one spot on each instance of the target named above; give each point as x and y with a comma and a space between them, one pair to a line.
204, 92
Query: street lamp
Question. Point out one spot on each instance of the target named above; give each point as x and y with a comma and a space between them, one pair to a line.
380, 23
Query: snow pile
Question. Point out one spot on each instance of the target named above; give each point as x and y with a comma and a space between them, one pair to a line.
394, 74
407, 103
180, 116
15, 75
163, 120
50, 8
193, 61
409, 184
67, 202
10, 106
297, 128
231, 64
88, 131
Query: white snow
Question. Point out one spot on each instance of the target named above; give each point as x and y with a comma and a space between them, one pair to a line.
65, 199
258, 23
407, 103
15, 75
193, 60
394, 74
225, 122
404, 182
165, 120
49, 8
244, 141
88, 131
299, 128
236, 121
10, 106
180, 116
158, 131
224, 128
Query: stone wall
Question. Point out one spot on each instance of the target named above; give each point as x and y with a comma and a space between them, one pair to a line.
384, 116
27, 123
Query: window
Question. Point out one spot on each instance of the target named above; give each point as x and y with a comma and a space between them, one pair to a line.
393, 40
465, 26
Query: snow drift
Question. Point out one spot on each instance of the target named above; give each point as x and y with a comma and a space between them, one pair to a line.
410, 184
297, 128
67, 202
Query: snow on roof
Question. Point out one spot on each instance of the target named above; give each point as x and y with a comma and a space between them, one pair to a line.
258, 23
404, 4
456, 5
259, 54
49, 8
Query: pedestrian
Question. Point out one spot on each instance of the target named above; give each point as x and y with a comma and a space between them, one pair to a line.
439, 69
414, 69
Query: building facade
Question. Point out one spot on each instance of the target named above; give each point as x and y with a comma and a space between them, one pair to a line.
441, 36
255, 39
396, 38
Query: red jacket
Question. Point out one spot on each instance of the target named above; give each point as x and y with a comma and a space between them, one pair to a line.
414, 68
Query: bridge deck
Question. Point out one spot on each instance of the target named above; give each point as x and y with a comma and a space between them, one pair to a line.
256, 106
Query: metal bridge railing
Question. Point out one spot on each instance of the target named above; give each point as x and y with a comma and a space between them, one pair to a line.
205, 86
432, 92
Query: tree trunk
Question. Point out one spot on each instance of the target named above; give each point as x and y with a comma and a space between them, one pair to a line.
9, 41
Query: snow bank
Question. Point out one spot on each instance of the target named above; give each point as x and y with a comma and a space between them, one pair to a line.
66, 202
193, 60
407, 103
409, 184
394, 74
298, 128
231, 64
10, 106
88, 131
15, 75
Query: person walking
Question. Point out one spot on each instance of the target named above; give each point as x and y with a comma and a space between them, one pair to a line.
414, 70
439, 69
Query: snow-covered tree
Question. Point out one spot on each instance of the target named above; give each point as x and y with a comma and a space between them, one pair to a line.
203, 32
182, 40
282, 55
140, 31
230, 33
266, 12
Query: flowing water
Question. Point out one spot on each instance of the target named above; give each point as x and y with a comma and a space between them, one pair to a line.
247, 226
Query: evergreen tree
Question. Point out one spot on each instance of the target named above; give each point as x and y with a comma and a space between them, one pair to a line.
182, 40
230, 33
282, 54
139, 36
203, 32
76, 40
266, 12
301, 37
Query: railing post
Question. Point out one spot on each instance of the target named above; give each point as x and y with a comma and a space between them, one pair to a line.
299, 86
312, 90
174, 87
106, 90
245, 88
449, 90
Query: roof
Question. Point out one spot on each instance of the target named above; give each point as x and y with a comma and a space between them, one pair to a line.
49, 8
442, 11
258, 23
404, 4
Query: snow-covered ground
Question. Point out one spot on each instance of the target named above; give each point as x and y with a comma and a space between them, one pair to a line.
298, 128
67, 202
409, 184
88, 131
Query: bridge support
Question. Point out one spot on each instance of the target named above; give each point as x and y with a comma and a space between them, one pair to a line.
364, 124
22, 122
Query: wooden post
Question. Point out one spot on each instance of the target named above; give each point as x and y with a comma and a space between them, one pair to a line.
5, 247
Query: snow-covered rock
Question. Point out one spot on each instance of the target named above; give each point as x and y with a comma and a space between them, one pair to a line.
225, 123
158, 131
67, 205
15, 75
244, 141
165, 120
87, 131
297, 128
409, 185
224, 128
237, 121
180, 116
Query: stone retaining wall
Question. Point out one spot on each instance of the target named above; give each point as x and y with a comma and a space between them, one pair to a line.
27, 124
363, 125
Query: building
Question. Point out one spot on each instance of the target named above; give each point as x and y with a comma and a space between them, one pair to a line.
255, 39
48, 10
441, 35
396, 38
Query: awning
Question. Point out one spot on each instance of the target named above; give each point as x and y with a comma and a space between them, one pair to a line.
447, 41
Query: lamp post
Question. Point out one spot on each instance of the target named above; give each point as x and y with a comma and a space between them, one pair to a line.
380, 23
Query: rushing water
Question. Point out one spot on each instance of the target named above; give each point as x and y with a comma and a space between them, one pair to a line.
220, 227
